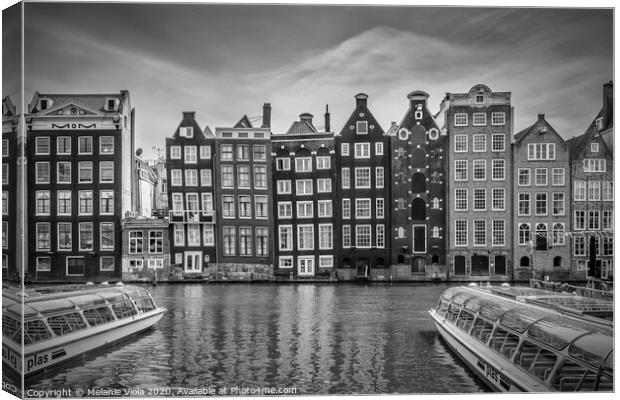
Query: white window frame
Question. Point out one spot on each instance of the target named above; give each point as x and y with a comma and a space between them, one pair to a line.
324, 246
379, 177
175, 153
361, 127
358, 171
362, 150
495, 167
359, 235
498, 118
304, 209
346, 208
37, 144
305, 184
536, 176
301, 227
461, 143
359, 202
379, 208
494, 136
344, 149
325, 208
346, 178
476, 166
283, 207
459, 199
482, 119
283, 164
303, 164
479, 143
323, 162
283, 186
205, 152
378, 148
67, 265
285, 230
461, 119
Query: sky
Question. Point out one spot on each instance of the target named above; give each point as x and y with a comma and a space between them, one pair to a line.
224, 61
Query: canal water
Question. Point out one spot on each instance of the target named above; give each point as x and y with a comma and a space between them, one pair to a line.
318, 339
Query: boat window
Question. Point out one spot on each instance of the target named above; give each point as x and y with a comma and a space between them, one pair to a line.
519, 319
537, 361
87, 300
466, 319
605, 383
66, 323
52, 307
451, 292
494, 308
572, 377
461, 298
11, 328
482, 330
453, 312
557, 331
609, 361
36, 331
98, 316
442, 307
504, 342
124, 309
592, 348
145, 304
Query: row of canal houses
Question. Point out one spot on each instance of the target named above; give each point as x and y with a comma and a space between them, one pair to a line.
456, 195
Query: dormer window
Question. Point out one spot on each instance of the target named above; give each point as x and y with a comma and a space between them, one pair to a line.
110, 104
479, 98
594, 147
186, 131
599, 123
362, 127
44, 104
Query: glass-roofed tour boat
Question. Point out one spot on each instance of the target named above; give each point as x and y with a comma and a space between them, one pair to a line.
63, 322
529, 340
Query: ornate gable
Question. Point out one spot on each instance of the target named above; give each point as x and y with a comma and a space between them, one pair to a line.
71, 109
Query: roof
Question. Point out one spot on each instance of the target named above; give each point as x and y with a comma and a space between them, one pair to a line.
605, 115
94, 102
8, 108
541, 125
301, 127
244, 122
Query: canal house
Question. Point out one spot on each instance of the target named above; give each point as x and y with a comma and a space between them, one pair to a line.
304, 177
418, 207
12, 190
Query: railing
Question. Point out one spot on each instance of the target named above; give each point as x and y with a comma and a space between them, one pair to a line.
190, 216
584, 291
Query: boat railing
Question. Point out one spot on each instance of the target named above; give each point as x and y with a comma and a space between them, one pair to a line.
583, 291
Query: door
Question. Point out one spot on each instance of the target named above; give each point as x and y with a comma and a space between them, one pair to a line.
500, 265
479, 265
459, 265
193, 261
418, 265
419, 238
363, 267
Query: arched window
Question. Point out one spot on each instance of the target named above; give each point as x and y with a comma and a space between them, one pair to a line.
542, 238
401, 204
435, 203
557, 261
558, 233
524, 233
418, 158
525, 261
418, 183
418, 209
435, 232
418, 135
435, 259
401, 232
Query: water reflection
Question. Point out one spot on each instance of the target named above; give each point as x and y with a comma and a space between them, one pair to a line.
318, 338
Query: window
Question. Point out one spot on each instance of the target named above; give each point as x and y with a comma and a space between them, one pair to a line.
75, 266
480, 119
498, 118
378, 149
594, 147
5, 173
524, 234
44, 263
594, 220
107, 263
346, 208
524, 177
460, 119
43, 236
64, 236
346, 178
594, 190
303, 164
305, 237
541, 151
175, 152
324, 185
228, 179
156, 242
107, 235
230, 239
63, 172
245, 241
480, 199
480, 232
262, 242
63, 145
362, 150
498, 199
346, 236
179, 235
325, 236
363, 236
460, 232
85, 202
106, 205
480, 167
498, 142
207, 203
106, 145
243, 152
305, 209
524, 204
205, 152
480, 143
228, 206
85, 145
380, 239
326, 261
460, 170
283, 164
85, 172
260, 153
5, 147
380, 208
362, 208
260, 207
226, 152
361, 127
175, 176
306, 266
594, 165
205, 177
285, 209
542, 237
607, 220
286, 262
43, 202
208, 234
608, 246
191, 177
136, 242
541, 177
608, 191
285, 237
64, 202
5, 202
558, 233
284, 187
323, 162
557, 176
245, 207
579, 245
541, 203
106, 171
558, 204
190, 154
460, 199
460, 143
344, 149
177, 203
243, 176
498, 170
42, 145
499, 232
303, 186
580, 220
362, 178
579, 191
379, 178
260, 177
325, 208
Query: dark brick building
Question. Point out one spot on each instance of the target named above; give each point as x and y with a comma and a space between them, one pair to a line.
11, 196
418, 207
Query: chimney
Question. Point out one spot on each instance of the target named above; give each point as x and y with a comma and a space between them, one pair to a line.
266, 115
188, 115
327, 123
306, 117
541, 117
608, 93
361, 100
417, 95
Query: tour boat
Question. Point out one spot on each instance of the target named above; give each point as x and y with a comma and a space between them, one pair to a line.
529, 340
64, 322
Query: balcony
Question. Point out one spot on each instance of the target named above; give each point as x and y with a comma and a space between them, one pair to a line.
190, 216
